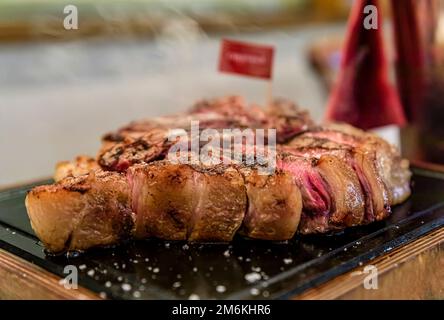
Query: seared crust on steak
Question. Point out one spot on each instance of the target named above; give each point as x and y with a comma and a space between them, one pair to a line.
274, 205
83, 212
80, 166
327, 178
181, 202
390, 168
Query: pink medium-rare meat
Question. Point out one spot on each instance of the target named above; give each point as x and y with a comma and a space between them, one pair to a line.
326, 178
390, 168
377, 204
331, 195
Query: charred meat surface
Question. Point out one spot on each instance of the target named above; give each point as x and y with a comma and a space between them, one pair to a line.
325, 178
82, 212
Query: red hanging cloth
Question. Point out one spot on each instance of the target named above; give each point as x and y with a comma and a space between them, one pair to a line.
363, 95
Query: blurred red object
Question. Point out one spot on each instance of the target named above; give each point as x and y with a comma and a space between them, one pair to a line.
363, 95
418, 33
246, 59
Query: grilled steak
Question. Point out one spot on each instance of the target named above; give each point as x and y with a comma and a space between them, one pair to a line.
147, 140
82, 212
180, 202
80, 166
274, 205
326, 178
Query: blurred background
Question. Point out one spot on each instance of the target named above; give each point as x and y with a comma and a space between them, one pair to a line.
60, 90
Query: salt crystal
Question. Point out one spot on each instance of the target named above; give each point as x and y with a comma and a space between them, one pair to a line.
156, 270
126, 287
254, 291
102, 295
108, 284
176, 284
136, 294
82, 267
252, 277
288, 261
193, 296
226, 253
90, 273
221, 289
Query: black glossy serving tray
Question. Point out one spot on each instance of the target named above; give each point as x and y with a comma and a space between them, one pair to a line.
244, 269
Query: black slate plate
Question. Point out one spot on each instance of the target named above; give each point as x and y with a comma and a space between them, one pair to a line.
170, 270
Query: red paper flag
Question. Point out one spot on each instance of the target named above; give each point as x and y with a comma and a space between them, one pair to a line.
246, 59
363, 95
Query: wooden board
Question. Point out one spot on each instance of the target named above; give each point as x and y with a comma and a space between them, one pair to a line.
415, 271
24, 280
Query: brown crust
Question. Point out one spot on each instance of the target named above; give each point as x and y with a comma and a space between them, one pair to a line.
342, 177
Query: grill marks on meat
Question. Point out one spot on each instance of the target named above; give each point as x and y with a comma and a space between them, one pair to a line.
327, 178
148, 147
147, 140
